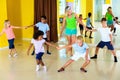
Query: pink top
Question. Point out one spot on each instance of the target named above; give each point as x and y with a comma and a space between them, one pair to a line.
9, 32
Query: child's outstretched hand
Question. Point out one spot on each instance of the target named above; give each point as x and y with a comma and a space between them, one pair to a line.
26, 27
58, 48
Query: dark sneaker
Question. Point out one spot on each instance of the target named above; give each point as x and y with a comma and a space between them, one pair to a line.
115, 59
83, 70
33, 53
48, 52
61, 69
90, 37
85, 35
94, 57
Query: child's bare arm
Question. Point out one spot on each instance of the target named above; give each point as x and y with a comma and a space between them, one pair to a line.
50, 44
17, 27
29, 48
66, 46
29, 26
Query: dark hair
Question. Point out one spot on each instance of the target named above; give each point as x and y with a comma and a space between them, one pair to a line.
80, 15
37, 34
109, 8
89, 14
116, 17
103, 19
44, 17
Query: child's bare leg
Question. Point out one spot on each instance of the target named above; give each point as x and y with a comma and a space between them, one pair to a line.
65, 65
84, 65
90, 36
41, 62
10, 53
96, 53
47, 47
15, 51
81, 32
37, 61
114, 54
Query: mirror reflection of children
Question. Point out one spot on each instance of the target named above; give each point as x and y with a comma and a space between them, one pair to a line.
81, 51
8, 30
38, 43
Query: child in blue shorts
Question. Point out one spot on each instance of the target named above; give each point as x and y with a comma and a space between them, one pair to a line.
106, 39
38, 42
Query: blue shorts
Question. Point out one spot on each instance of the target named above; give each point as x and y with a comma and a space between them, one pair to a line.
101, 44
109, 22
39, 55
70, 32
11, 43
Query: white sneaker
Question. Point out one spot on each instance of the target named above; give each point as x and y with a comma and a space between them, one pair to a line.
45, 68
15, 55
9, 56
37, 68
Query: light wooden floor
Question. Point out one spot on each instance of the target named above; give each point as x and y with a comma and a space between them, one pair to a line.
23, 66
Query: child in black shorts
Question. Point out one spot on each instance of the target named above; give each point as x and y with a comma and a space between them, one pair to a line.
106, 39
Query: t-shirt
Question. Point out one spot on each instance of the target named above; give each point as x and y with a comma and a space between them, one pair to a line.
9, 32
105, 32
43, 27
80, 49
38, 45
88, 22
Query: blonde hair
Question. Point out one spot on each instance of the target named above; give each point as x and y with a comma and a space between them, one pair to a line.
80, 38
5, 23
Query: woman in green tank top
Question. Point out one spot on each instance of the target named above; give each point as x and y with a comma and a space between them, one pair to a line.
70, 26
109, 16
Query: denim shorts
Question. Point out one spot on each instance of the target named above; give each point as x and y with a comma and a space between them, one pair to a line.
11, 43
39, 55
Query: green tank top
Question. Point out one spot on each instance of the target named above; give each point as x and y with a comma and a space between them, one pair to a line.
71, 22
109, 16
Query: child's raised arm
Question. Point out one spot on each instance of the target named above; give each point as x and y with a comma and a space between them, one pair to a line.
28, 51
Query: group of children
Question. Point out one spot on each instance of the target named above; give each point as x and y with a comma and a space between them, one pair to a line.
80, 48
